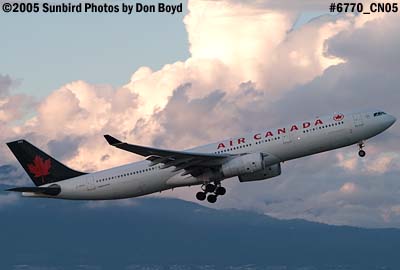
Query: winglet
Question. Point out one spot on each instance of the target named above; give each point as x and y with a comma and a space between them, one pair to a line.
111, 140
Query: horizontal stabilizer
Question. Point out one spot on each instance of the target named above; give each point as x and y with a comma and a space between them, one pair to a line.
52, 190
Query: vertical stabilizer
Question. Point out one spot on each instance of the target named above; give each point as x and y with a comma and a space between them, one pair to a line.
41, 168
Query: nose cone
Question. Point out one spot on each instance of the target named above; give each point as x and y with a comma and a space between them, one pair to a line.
390, 120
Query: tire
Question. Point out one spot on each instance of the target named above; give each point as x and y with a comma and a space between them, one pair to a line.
361, 153
211, 198
210, 188
220, 191
201, 196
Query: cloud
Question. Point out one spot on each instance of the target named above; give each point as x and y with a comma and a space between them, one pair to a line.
226, 30
348, 188
12, 107
248, 70
5, 84
184, 111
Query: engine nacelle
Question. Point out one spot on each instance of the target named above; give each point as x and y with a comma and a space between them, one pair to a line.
267, 172
242, 165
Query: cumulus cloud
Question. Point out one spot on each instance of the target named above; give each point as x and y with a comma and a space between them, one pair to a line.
248, 70
12, 107
5, 84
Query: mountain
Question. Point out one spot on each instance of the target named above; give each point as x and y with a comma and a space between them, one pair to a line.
174, 234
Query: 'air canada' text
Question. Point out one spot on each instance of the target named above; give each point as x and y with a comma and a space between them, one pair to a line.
270, 133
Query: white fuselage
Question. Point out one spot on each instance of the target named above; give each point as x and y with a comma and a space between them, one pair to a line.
286, 143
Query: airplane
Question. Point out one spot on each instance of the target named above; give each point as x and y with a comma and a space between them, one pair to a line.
252, 157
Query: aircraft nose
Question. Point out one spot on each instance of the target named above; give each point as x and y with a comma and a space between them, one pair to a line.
391, 120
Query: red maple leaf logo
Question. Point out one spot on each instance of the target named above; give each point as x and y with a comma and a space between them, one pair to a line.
39, 167
338, 117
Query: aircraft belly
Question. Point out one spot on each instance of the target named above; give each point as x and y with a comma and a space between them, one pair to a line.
117, 189
340, 138
178, 180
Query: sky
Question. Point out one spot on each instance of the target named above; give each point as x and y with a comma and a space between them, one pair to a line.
220, 69
46, 51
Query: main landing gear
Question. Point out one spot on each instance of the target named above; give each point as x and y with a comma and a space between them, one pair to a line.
215, 190
361, 152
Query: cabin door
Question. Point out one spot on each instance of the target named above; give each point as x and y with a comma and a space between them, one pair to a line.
90, 183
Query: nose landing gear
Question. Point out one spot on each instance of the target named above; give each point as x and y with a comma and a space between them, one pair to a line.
214, 190
361, 152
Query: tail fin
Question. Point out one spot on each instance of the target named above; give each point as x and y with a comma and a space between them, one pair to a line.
41, 168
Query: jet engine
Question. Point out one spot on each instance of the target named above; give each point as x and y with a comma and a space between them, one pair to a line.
249, 167
243, 164
265, 173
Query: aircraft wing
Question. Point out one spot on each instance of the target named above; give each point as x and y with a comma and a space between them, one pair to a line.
180, 159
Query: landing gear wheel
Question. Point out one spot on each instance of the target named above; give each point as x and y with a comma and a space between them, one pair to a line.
209, 188
212, 198
201, 196
361, 152
220, 191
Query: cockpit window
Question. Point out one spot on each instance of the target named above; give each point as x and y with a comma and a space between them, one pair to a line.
379, 113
